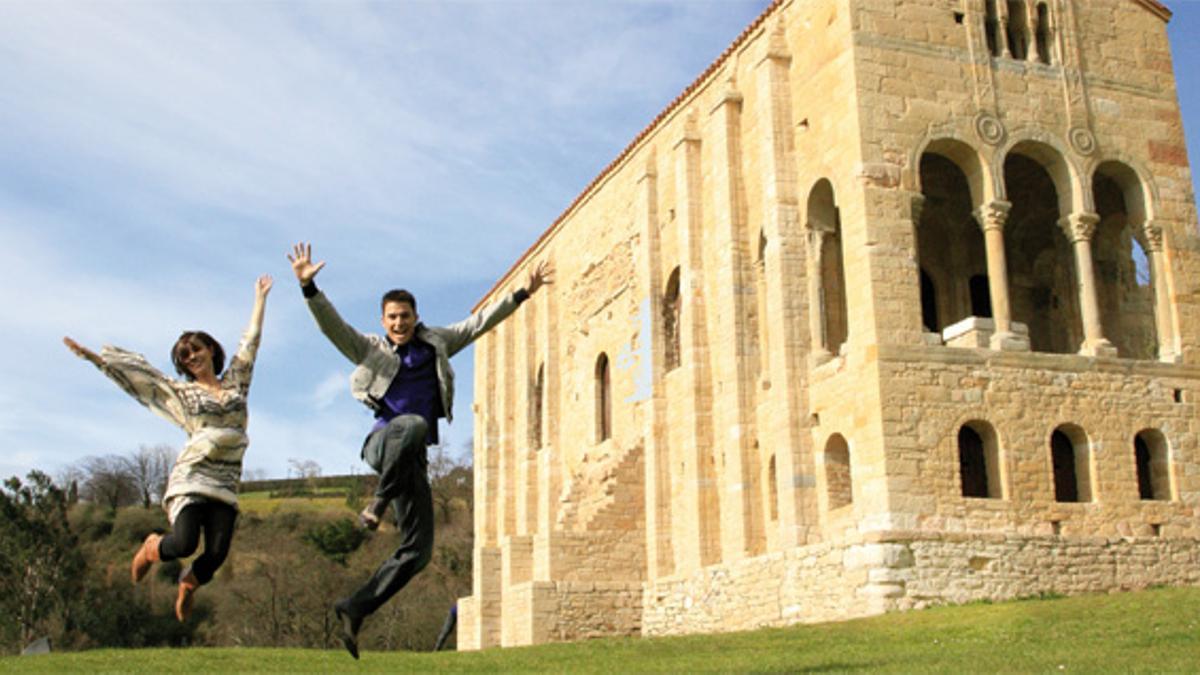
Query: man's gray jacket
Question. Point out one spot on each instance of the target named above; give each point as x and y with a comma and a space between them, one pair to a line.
377, 362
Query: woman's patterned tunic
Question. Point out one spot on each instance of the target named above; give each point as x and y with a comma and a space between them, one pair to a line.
210, 464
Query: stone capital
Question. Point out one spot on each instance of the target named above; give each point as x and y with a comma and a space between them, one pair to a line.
993, 215
691, 131
916, 205
1079, 226
1154, 237
777, 49
730, 97
816, 226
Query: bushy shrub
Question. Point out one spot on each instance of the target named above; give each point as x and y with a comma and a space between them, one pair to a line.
336, 539
90, 522
131, 525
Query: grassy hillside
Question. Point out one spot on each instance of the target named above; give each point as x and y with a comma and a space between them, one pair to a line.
1148, 631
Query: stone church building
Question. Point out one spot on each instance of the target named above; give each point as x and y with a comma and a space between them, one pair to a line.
897, 304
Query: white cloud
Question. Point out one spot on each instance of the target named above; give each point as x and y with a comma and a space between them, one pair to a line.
334, 386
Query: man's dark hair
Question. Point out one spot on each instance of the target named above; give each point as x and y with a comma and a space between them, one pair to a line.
398, 295
218, 353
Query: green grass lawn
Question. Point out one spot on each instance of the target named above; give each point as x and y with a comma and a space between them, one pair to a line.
1149, 631
326, 500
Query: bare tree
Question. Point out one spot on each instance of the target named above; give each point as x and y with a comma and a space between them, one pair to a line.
149, 468
308, 470
108, 481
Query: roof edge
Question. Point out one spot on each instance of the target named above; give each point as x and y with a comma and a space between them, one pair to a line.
633, 145
1157, 8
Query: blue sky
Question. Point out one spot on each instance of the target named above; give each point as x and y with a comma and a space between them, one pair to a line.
158, 157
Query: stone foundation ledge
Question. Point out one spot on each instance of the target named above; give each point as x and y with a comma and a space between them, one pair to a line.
900, 570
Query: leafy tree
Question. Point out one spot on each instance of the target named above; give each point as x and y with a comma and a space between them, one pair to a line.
41, 566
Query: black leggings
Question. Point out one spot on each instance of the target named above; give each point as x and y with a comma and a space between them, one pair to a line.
217, 520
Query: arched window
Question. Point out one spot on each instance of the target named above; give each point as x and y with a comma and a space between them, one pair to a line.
536, 406
972, 466
837, 472
1069, 455
671, 310
950, 244
1153, 465
979, 461
824, 218
1124, 288
603, 400
1043, 284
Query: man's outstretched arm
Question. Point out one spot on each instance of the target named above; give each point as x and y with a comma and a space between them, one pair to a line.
349, 342
463, 333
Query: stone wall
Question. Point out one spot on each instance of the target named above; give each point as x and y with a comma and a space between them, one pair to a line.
803, 457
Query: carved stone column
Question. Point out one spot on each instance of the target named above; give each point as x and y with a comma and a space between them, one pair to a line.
1162, 296
992, 218
817, 233
1079, 228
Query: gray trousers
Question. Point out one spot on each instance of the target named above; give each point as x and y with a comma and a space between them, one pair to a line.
397, 453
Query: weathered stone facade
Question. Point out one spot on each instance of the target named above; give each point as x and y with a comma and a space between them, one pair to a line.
897, 304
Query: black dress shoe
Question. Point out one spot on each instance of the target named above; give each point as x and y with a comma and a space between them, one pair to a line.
350, 626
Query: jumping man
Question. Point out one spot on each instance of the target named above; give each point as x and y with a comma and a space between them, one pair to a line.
404, 376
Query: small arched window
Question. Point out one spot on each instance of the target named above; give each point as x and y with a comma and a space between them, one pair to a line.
972, 465
1152, 465
1069, 456
837, 472
603, 399
671, 310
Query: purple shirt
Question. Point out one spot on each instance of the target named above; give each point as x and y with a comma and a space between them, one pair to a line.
414, 390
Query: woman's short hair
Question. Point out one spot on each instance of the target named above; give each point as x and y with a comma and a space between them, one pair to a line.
218, 353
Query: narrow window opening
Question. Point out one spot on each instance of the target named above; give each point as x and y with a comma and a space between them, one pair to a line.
603, 400
671, 310
1066, 485
773, 490
972, 463
1018, 31
958, 18
537, 403
1152, 465
1179, 396
1043, 33
1141, 458
992, 28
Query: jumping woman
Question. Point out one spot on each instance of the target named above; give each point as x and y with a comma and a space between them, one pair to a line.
210, 405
